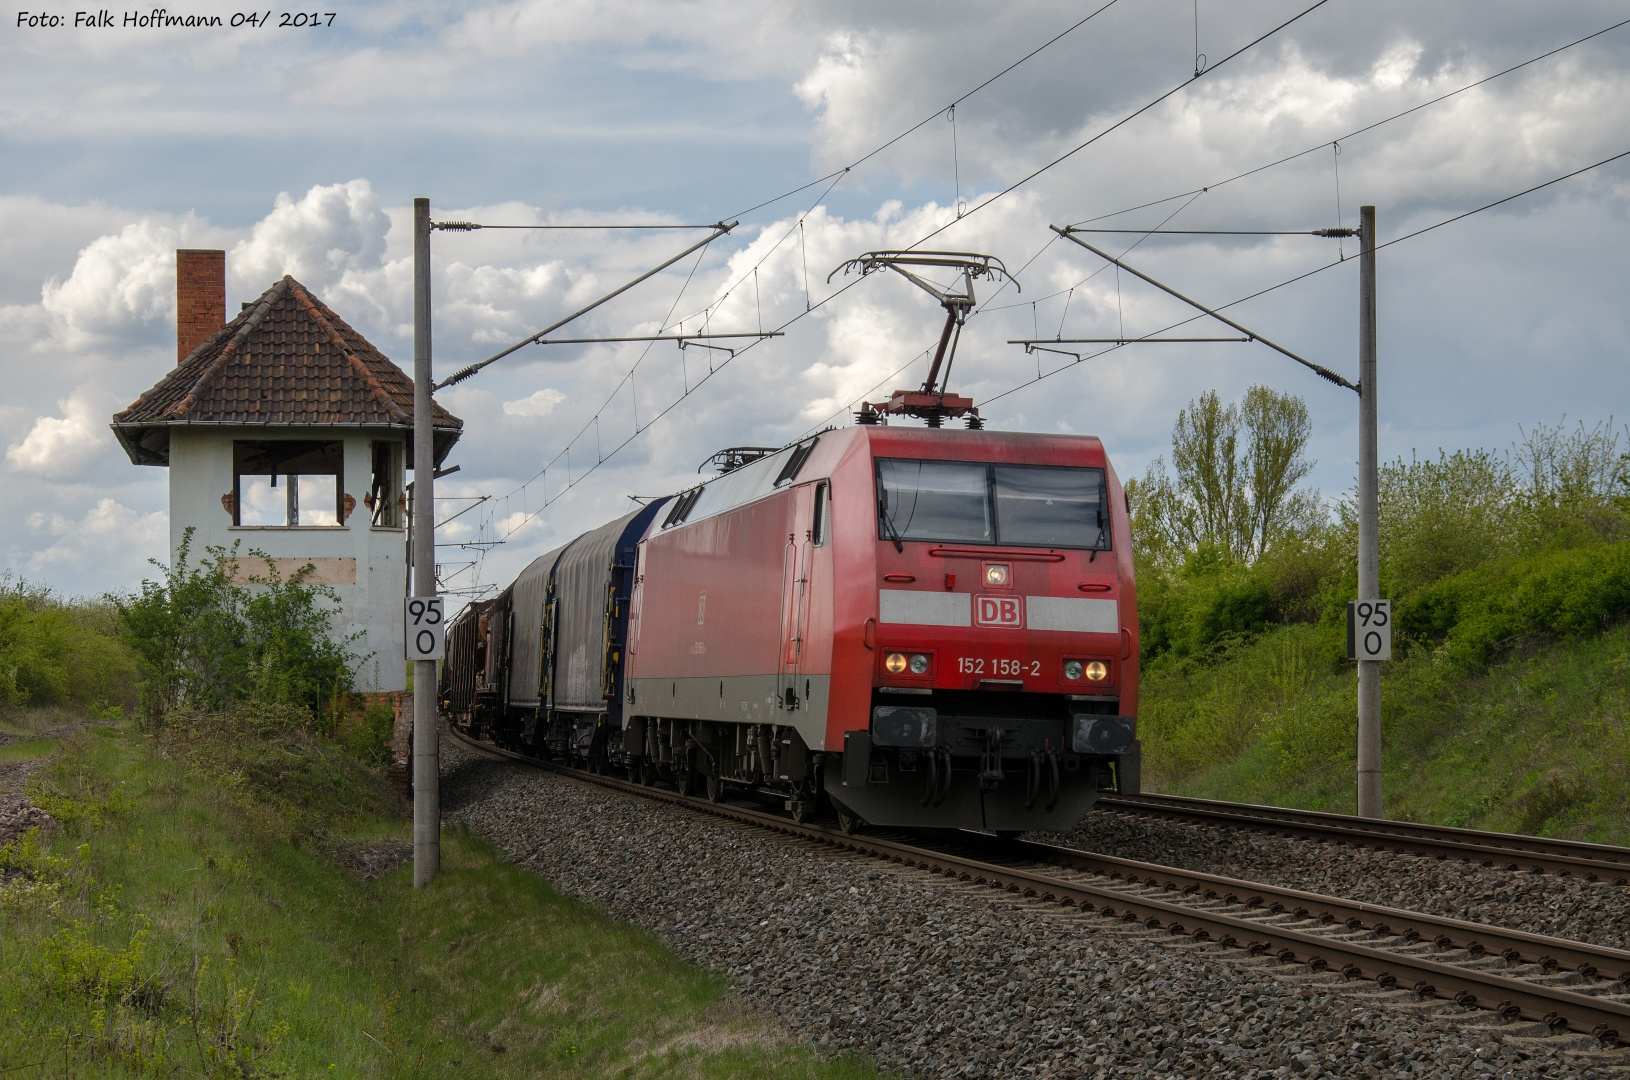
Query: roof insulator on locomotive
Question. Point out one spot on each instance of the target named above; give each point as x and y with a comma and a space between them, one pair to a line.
932, 403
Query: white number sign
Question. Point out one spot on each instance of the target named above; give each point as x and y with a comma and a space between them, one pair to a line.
423, 628
1369, 630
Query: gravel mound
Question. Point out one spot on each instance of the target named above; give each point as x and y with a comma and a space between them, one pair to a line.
1596, 912
18, 814
938, 980
370, 861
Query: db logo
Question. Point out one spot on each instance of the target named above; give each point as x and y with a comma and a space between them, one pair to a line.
999, 611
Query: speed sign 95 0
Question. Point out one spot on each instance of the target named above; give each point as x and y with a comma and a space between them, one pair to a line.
423, 628
1369, 630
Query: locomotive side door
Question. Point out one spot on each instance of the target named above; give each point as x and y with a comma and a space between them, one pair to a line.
796, 560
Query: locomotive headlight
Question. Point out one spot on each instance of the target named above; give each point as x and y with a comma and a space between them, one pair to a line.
919, 664
1097, 670
996, 574
1072, 669
895, 662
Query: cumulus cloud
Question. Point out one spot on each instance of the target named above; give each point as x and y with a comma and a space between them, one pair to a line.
108, 539
541, 403
58, 447
332, 231
702, 108
119, 285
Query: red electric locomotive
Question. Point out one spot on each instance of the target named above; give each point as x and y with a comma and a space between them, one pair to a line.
931, 628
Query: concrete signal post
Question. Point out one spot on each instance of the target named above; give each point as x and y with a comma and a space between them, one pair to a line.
426, 729
1369, 552
1377, 612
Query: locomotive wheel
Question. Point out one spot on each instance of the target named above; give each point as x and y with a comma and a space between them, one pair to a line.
849, 821
685, 774
715, 788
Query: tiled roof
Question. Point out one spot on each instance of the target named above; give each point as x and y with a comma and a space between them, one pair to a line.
285, 361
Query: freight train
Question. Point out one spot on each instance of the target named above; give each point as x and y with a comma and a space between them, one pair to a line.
915, 628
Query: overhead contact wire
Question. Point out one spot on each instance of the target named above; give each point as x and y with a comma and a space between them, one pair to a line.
834, 176
1362, 130
1326, 266
919, 125
1123, 121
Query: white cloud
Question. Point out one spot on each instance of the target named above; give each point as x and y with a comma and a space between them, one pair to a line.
333, 231
541, 403
119, 284
109, 541
58, 447
526, 111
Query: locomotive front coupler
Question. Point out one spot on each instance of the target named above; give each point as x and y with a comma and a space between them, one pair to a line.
990, 762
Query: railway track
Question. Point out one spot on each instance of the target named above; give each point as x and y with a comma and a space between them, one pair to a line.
1507, 851
1564, 985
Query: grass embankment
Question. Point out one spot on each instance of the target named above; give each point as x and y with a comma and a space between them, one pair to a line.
194, 917
1537, 745
1507, 705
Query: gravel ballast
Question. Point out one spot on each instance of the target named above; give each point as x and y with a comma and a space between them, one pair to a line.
1597, 912
934, 979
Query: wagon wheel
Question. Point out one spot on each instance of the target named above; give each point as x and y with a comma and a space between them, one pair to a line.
800, 811
715, 788
648, 772
849, 821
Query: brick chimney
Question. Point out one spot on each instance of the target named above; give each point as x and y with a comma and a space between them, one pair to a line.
200, 297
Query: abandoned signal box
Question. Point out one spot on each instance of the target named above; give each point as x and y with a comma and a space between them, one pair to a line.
287, 430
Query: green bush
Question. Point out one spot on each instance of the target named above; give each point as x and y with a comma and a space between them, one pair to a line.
55, 651
205, 641
369, 740
1555, 594
1206, 607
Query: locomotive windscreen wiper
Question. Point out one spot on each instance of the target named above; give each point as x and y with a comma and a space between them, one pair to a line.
1098, 543
887, 519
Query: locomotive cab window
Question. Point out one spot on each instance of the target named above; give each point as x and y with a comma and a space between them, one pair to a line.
972, 502
1049, 506
817, 530
933, 500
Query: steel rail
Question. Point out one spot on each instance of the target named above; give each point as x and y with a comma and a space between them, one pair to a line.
1514, 946
1508, 851
1556, 1007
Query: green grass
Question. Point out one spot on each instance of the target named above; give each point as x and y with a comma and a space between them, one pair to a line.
1537, 744
27, 748
195, 919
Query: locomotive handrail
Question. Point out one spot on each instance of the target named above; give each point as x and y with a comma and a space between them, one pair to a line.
981, 553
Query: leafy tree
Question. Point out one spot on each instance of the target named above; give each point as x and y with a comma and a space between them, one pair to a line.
1576, 484
1237, 467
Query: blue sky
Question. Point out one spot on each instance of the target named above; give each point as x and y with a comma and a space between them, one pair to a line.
299, 151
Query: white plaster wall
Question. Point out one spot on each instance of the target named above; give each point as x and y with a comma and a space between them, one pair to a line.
201, 472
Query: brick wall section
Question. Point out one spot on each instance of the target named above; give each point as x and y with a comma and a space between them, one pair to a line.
402, 742
200, 297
